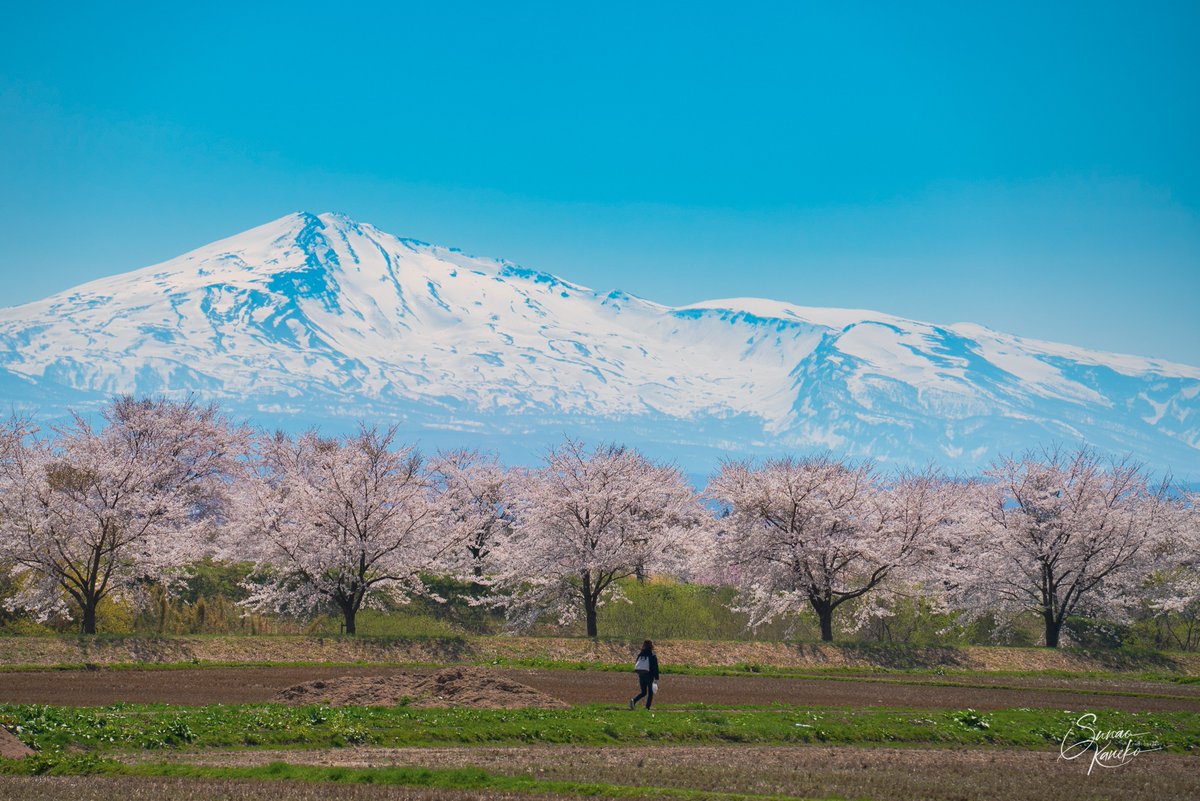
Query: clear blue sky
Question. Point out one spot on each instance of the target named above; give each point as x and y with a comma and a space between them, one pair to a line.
1032, 167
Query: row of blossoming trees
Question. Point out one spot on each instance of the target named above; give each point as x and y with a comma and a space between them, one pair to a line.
89, 511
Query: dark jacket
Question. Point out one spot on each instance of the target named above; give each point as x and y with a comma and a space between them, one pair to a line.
653, 664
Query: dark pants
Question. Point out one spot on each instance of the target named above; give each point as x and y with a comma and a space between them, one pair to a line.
646, 685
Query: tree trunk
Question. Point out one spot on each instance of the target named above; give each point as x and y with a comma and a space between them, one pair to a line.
476, 552
88, 624
826, 616
824, 610
1053, 626
349, 613
589, 602
592, 619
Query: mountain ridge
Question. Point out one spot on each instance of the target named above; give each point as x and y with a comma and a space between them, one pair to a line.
324, 319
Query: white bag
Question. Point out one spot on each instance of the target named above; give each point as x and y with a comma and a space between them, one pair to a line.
654, 688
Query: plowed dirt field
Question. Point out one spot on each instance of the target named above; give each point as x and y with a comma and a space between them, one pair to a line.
257, 684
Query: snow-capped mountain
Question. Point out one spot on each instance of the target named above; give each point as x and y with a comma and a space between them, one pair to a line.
322, 320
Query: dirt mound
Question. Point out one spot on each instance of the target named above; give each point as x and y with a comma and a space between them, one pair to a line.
455, 686
11, 747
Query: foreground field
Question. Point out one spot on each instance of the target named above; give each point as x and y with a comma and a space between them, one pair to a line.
230, 685
726, 772
807, 771
888, 726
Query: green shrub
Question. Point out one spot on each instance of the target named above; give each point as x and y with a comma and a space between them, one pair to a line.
400, 622
663, 609
1087, 632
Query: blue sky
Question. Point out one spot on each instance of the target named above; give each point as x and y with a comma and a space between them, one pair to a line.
1031, 168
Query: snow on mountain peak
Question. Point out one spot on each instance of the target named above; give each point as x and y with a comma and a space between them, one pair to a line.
320, 318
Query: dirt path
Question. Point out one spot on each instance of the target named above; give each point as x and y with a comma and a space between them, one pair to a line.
579, 687
1119, 685
883, 774
11, 747
250, 685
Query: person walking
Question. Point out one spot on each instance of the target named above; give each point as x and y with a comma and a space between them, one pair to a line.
646, 667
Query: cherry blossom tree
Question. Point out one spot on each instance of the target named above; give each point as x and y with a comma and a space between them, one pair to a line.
1172, 595
472, 491
92, 512
347, 521
1166, 588
583, 521
1057, 532
819, 531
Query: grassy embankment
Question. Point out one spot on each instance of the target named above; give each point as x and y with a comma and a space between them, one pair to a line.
767, 658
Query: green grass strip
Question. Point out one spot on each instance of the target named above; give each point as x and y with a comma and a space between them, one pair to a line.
135, 727
447, 779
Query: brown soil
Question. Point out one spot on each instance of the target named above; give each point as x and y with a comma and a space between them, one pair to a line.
11, 747
1115, 684
255, 685
583, 687
455, 686
142, 788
